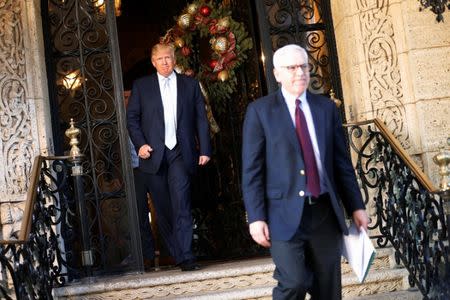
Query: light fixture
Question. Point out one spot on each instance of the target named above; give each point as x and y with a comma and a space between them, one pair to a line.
73, 80
436, 6
100, 4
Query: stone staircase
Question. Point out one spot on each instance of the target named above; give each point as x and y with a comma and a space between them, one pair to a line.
246, 279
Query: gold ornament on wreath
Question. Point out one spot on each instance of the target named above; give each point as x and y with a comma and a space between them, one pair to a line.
220, 44
184, 21
214, 66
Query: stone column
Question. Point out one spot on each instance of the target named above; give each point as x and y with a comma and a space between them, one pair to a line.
395, 65
25, 126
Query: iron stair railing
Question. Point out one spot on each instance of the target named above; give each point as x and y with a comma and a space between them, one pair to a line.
37, 261
405, 209
54, 228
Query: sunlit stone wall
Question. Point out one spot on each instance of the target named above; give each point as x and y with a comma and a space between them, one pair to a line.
395, 65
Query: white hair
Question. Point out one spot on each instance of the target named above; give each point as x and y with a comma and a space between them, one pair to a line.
286, 50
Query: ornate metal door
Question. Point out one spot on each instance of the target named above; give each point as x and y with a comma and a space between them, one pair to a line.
85, 84
309, 24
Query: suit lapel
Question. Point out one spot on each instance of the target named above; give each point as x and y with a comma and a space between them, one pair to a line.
179, 97
157, 102
285, 121
319, 122
158, 98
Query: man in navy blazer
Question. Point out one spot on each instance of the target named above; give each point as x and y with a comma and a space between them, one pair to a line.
304, 232
167, 123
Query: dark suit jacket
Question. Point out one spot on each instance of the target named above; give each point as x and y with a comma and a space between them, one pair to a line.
145, 119
271, 161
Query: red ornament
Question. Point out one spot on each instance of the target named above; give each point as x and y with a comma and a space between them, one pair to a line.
213, 28
205, 10
212, 64
185, 51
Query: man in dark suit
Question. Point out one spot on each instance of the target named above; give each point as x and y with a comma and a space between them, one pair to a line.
167, 124
296, 174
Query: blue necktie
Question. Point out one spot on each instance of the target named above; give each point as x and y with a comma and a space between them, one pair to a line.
312, 174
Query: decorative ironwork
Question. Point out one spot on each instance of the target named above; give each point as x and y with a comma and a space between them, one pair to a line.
81, 42
309, 24
436, 6
405, 213
43, 259
442, 159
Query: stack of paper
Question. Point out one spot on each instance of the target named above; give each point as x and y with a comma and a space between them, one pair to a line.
359, 251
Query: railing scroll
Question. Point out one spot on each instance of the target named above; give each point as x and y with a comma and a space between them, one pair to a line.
42, 255
34, 261
406, 211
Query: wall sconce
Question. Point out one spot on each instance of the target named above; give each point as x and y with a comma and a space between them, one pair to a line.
100, 4
436, 6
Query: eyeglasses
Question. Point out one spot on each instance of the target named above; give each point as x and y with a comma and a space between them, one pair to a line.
294, 68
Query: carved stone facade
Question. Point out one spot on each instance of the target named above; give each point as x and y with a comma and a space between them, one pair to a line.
395, 66
24, 115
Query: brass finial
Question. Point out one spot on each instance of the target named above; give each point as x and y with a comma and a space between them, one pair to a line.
442, 159
72, 132
337, 101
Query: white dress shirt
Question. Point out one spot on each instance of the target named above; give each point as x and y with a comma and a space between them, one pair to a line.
169, 101
290, 102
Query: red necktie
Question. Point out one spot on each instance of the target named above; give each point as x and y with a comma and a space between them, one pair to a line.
312, 175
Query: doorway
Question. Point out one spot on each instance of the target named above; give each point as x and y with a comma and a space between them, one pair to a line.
220, 229
85, 41
94, 53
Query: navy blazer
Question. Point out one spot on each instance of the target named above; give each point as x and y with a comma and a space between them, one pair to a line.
145, 121
272, 161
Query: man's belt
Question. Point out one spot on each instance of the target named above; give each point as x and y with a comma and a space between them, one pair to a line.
314, 200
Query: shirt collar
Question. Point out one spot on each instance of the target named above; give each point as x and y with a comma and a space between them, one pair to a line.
161, 78
290, 99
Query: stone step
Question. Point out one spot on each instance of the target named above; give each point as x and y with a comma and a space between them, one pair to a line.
260, 292
410, 294
173, 282
384, 259
383, 283
377, 281
246, 279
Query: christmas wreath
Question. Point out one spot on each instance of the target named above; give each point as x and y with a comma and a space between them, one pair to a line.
214, 66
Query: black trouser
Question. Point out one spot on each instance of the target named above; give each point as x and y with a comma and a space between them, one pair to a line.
148, 248
311, 260
171, 195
